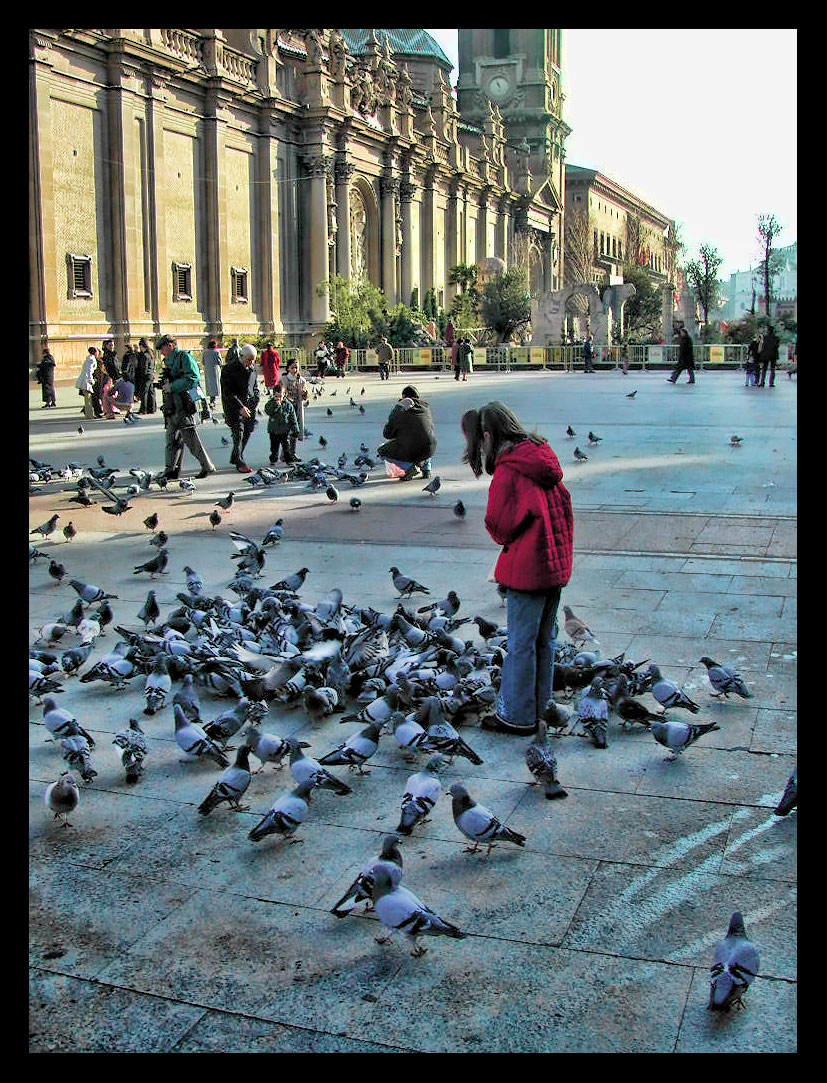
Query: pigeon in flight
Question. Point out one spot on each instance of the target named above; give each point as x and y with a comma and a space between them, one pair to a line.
406, 586
231, 785
678, 736
789, 799
285, 815
399, 909
477, 822
361, 890
734, 967
62, 797
725, 680
433, 486
579, 456
542, 763
45, 529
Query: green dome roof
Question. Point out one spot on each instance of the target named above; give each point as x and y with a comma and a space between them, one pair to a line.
407, 42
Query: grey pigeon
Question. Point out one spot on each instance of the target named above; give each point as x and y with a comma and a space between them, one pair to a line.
215, 518
355, 503
56, 571
62, 797
306, 769
542, 763
73, 659
195, 584
158, 685
570, 432
725, 679
226, 502
734, 967
789, 799
76, 752
406, 586
292, 583
355, 751
160, 539
62, 723
45, 529
678, 736
285, 815
187, 699
229, 722
593, 713
421, 793
433, 486
408, 732
274, 534
477, 822
400, 910
579, 456
266, 747
155, 566
231, 785
361, 890
150, 611
193, 742
440, 735
69, 531
668, 694
459, 510
594, 439
133, 744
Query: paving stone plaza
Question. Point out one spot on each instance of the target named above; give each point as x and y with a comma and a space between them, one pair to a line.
154, 929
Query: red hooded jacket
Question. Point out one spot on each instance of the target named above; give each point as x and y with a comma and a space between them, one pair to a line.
270, 366
529, 514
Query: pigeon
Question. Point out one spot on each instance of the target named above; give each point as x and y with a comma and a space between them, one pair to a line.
151, 521
576, 629
104, 614
73, 659
231, 785
447, 607
81, 430
628, 709
195, 584
76, 753
188, 486
361, 890
408, 732
226, 502
306, 769
355, 751
215, 518
158, 685
292, 583
421, 793
285, 815
789, 799
459, 510
631, 394
56, 571
52, 632
440, 735
542, 763
69, 531
668, 694
62, 797
594, 439
725, 680
155, 566
433, 485
193, 742
399, 909
678, 736
593, 713
150, 611
332, 493
45, 529
225, 442
229, 722
329, 414
34, 554
62, 723
266, 747
355, 503
274, 534
477, 823
735, 440
734, 967
133, 744
88, 592
322, 441
187, 699
160, 539
406, 586
570, 432
579, 456
82, 499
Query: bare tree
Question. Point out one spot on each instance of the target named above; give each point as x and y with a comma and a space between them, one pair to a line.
702, 276
579, 255
768, 229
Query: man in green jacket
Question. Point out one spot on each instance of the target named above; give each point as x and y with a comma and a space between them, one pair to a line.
180, 376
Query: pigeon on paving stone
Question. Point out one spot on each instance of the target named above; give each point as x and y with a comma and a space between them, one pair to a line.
355, 503
628, 709
570, 432
440, 735
155, 566
579, 456
408, 733
45, 529
56, 571
151, 521
306, 769
82, 499
399, 909
160, 539
593, 713
421, 793
88, 592
594, 439
231, 785
734, 967
274, 534
576, 629
406, 586
229, 722
62, 797
477, 822
76, 753
52, 632
195, 584
632, 394
725, 680
556, 717
193, 742
187, 699
226, 502
266, 747
158, 685
73, 659
34, 554
459, 510
292, 583
62, 723
433, 486
789, 799
678, 736
448, 606
285, 815
215, 518
69, 531
355, 751
188, 486
542, 763
332, 493
133, 744
735, 440
668, 694
389, 859
150, 611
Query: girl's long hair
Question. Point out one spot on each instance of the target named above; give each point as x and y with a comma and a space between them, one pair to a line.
506, 431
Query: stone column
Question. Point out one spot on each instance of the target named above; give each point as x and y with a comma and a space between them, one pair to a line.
667, 312
215, 201
452, 231
502, 230
159, 266
43, 305
344, 171
268, 210
406, 194
482, 228
317, 167
389, 189
427, 236
116, 204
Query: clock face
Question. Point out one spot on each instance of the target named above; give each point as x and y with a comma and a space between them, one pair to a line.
499, 87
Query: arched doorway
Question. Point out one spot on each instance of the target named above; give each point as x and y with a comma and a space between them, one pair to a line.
364, 234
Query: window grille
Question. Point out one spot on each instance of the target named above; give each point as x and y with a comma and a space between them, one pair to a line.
182, 282
239, 285
80, 275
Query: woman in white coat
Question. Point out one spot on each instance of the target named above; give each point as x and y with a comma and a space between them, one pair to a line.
84, 382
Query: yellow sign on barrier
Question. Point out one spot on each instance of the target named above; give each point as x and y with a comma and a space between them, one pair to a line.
519, 355
716, 355
480, 357
537, 354
425, 357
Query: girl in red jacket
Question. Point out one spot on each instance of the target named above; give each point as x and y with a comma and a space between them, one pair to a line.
529, 514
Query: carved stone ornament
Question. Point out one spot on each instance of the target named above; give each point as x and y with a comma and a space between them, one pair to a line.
313, 44
363, 97
338, 56
404, 93
317, 165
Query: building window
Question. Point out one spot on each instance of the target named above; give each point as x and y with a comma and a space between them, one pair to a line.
182, 282
620, 250
501, 43
578, 199
614, 247
602, 244
238, 276
80, 275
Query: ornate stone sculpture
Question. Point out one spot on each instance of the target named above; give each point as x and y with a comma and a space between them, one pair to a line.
338, 56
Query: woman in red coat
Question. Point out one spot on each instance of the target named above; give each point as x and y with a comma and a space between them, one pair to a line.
529, 514
271, 368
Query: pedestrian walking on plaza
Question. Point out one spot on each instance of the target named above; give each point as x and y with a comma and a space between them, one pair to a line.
234, 352
270, 368
295, 387
239, 400
145, 378
102, 382
455, 348
411, 438
85, 382
45, 376
769, 356
211, 360
110, 359
282, 425
753, 363
179, 378
529, 514
341, 356
322, 356
686, 358
384, 354
588, 354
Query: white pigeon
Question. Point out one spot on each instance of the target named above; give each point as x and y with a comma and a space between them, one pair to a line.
734, 967
400, 910
62, 797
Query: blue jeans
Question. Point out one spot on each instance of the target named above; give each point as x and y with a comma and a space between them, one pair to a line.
528, 670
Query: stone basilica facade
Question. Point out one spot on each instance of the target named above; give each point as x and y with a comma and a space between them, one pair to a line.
206, 182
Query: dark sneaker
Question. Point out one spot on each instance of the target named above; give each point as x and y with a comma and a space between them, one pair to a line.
493, 723
410, 474
205, 473
171, 475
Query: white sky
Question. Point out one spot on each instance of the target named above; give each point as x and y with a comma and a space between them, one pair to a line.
699, 123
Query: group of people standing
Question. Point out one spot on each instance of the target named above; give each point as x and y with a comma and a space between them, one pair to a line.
110, 390
327, 355
462, 358
762, 356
